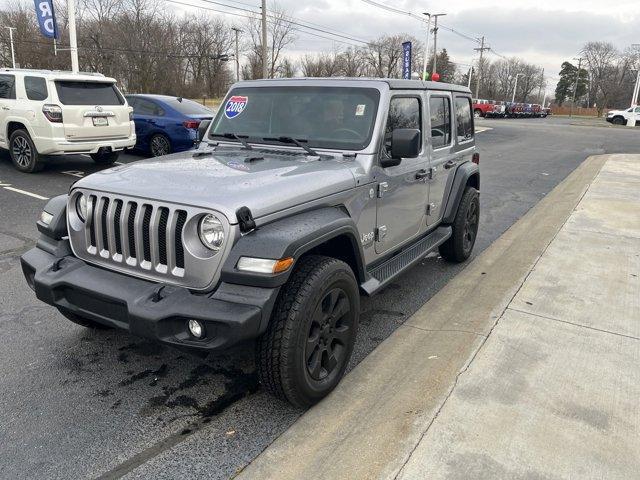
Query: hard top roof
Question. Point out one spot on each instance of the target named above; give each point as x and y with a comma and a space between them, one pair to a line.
393, 83
60, 74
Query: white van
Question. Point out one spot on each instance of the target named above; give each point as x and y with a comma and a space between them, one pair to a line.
45, 112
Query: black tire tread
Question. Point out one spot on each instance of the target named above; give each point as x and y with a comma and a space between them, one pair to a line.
452, 250
271, 357
38, 164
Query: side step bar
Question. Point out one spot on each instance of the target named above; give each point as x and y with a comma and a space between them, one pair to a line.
382, 274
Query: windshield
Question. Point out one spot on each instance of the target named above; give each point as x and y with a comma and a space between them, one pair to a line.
188, 107
88, 93
327, 117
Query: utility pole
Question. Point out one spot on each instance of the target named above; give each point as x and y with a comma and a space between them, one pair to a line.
479, 75
515, 87
435, 41
575, 86
237, 32
73, 41
470, 72
265, 73
426, 48
13, 53
541, 83
636, 88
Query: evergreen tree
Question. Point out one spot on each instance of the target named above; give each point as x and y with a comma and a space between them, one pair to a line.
568, 76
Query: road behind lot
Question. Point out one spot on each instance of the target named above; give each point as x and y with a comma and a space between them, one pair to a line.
77, 404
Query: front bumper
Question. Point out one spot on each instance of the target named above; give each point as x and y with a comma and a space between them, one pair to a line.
59, 146
231, 314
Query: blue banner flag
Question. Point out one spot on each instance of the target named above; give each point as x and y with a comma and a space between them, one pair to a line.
46, 18
406, 60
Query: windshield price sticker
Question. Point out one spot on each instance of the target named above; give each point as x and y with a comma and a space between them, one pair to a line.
235, 106
360, 110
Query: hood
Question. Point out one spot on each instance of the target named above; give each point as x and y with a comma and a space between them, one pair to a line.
224, 181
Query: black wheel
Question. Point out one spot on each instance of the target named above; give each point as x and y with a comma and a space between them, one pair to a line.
307, 346
618, 121
477, 113
23, 152
465, 228
83, 322
105, 158
159, 145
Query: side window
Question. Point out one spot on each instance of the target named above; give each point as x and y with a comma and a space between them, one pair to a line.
464, 119
404, 112
440, 109
7, 87
36, 88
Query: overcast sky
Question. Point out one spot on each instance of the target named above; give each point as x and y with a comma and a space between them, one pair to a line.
544, 32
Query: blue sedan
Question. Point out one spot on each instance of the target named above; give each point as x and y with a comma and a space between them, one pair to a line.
166, 124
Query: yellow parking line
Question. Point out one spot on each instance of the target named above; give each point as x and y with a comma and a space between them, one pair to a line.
24, 192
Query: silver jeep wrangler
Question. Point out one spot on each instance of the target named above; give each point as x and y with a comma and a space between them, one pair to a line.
302, 195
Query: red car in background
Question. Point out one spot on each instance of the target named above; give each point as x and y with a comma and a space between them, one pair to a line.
482, 108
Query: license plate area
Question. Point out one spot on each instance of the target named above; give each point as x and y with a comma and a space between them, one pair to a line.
100, 121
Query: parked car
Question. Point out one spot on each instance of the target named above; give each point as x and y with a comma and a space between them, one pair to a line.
166, 124
482, 108
299, 199
620, 117
498, 111
50, 113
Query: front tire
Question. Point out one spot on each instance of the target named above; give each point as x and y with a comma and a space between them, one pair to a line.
105, 158
307, 346
23, 152
477, 113
465, 228
618, 121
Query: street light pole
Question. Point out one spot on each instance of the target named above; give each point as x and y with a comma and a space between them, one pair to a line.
265, 73
237, 32
73, 41
515, 87
426, 48
13, 53
435, 41
636, 88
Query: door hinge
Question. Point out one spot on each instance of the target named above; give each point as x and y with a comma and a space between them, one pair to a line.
382, 188
381, 232
431, 208
432, 173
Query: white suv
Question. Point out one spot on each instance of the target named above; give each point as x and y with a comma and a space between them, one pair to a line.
45, 112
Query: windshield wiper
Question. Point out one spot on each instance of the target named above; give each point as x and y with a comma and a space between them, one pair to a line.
294, 141
239, 138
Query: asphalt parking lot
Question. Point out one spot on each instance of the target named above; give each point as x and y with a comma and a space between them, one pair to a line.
79, 404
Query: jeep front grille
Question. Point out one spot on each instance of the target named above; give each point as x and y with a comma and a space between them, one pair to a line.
144, 238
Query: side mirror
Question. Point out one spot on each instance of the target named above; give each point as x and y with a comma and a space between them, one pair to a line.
202, 129
405, 143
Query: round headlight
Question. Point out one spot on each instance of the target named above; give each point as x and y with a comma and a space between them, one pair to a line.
211, 232
81, 207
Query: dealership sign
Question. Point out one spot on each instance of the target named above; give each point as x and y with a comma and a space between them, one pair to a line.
406, 60
46, 18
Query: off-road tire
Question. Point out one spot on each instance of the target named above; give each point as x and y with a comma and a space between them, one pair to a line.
23, 152
459, 246
284, 366
477, 113
105, 158
83, 322
618, 121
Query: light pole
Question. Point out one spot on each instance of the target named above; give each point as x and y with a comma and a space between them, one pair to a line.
636, 88
435, 41
73, 41
237, 32
470, 72
515, 87
426, 51
13, 53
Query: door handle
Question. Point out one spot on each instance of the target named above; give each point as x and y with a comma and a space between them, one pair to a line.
5, 107
450, 164
422, 174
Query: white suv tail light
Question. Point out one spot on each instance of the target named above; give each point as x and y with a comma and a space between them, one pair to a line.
53, 113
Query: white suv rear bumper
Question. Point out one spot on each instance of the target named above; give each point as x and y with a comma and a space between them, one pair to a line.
52, 146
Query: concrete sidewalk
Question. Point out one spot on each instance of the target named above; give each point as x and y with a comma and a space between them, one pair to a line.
526, 365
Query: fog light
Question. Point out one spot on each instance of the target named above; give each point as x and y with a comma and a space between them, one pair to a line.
196, 328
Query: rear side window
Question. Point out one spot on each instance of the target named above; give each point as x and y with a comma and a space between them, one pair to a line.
464, 119
404, 112
440, 110
36, 88
7, 87
146, 107
88, 93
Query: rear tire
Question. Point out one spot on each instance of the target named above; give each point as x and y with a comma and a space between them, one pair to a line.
465, 228
307, 346
159, 145
84, 322
23, 152
105, 158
